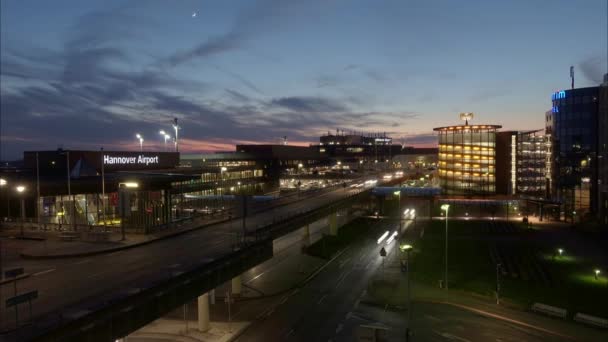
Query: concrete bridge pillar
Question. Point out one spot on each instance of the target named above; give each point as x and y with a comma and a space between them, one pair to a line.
203, 312
333, 224
237, 285
306, 236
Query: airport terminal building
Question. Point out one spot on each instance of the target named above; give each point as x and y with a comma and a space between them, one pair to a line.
141, 190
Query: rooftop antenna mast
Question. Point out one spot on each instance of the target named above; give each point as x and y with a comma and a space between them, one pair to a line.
572, 76
466, 117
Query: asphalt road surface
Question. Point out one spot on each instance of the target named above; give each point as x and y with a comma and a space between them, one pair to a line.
321, 309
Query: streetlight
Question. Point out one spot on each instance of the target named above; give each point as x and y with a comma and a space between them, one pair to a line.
446, 207
597, 273
176, 128
166, 136
398, 193
8, 206
20, 189
560, 251
141, 141
407, 248
222, 170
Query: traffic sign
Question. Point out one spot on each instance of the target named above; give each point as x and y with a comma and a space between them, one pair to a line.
22, 298
14, 272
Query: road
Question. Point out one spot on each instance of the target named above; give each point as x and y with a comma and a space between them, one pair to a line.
64, 282
321, 309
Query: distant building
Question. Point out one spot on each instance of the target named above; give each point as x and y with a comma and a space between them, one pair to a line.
531, 164
549, 154
353, 148
576, 151
417, 157
603, 153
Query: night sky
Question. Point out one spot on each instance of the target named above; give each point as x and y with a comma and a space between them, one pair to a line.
89, 74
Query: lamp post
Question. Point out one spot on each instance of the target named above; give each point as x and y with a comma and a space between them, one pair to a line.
20, 189
596, 273
398, 193
141, 142
8, 206
176, 128
166, 137
446, 207
407, 248
222, 170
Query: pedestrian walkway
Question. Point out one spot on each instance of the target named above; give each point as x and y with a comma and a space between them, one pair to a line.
186, 331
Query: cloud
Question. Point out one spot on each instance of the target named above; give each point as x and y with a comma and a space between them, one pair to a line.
593, 68
241, 79
237, 96
309, 104
262, 17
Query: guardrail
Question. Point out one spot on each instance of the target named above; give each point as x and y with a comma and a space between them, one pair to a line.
591, 320
549, 310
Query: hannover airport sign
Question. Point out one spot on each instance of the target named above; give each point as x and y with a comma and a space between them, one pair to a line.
126, 160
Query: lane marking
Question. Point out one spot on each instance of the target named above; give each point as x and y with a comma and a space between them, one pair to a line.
284, 300
340, 281
43, 272
289, 333
344, 262
452, 337
432, 318
82, 262
320, 300
270, 312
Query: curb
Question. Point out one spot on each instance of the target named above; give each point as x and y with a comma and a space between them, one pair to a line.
8, 281
502, 318
120, 248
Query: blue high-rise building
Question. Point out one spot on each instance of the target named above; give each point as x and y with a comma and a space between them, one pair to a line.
576, 145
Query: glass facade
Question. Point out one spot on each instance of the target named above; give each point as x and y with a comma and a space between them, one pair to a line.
466, 162
532, 151
575, 150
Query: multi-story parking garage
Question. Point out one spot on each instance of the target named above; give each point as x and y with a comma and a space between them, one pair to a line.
467, 155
